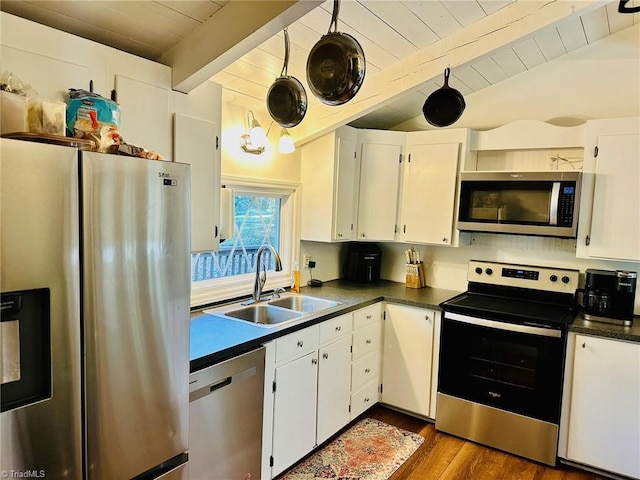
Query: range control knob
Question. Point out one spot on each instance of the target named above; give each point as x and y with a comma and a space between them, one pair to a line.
553, 278
478, 270
488, 271
565, 279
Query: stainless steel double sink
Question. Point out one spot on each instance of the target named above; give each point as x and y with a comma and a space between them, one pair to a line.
287, 309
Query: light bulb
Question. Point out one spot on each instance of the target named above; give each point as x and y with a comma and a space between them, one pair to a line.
285, 144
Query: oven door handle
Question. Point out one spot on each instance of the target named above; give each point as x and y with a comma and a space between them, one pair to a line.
511, 327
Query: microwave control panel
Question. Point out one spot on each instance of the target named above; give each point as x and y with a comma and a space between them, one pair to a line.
566, 203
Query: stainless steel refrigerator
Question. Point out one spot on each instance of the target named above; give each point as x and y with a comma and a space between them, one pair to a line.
95, 279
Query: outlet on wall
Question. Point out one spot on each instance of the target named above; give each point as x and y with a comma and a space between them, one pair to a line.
306, 259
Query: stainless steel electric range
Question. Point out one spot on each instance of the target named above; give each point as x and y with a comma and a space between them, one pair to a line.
502, 353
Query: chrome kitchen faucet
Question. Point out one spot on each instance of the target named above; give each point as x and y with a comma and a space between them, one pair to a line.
261, 275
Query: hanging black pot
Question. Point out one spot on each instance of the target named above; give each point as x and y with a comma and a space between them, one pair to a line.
444, 106
287, 98
336, 65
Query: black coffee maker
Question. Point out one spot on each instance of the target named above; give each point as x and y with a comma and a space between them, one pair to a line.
609, 296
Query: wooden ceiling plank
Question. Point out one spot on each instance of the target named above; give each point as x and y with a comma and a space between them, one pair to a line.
508, 26
550, 43
596, 25
365, 24
404, 21
572, 34
435, 16
43, 13
157, 18
508, 61
471, 78
195, 9
489, 69
465, 12
103, 19
529, 52
459, 82
491, 6
204, 52
617, 21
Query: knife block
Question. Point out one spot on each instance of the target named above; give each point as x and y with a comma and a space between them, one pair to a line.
415, 277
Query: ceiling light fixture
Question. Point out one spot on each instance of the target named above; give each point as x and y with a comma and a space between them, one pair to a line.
255, 140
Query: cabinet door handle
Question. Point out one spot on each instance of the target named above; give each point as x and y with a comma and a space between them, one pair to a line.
339, 235
444, 239
427, 318
325, 355
366, 400
584, 344
369, 317
367, 370
300, 343
368, 342
363, 235
314, 361
338, 328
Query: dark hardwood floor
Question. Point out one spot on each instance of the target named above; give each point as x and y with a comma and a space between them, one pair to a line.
445, 457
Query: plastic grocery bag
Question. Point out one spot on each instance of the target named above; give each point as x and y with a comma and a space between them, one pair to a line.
94, 117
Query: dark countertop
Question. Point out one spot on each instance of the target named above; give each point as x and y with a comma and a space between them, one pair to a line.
599, 329
214, 339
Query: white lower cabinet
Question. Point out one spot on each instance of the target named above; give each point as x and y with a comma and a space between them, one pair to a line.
407, 358
311, 390
604, 415
366, 356
295, 394
334, 392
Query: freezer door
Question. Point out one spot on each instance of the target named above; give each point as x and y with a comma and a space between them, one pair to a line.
135, 226
40, 423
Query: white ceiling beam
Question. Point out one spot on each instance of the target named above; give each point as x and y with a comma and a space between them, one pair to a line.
511, 24
234, 30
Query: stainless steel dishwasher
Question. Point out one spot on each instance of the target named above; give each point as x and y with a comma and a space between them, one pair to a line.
225, 417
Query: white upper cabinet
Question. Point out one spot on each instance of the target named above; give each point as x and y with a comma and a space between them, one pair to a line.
329, 173
609, 224
380, 168
197, 143
145, 114
430, 189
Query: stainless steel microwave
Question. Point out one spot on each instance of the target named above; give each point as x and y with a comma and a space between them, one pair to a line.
528, 203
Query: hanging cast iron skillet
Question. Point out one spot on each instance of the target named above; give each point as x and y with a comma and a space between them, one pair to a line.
287, 98
444, 106
336, 65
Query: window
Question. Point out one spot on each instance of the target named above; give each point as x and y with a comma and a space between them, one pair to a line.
264, 214
257, 223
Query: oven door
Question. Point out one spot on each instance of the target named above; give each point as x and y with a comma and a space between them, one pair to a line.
511, 367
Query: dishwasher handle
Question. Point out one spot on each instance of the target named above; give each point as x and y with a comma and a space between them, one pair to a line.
222, 383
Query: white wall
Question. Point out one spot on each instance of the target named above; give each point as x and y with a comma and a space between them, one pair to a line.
269, 165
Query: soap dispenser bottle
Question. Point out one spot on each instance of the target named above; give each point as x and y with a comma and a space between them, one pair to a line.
295, 277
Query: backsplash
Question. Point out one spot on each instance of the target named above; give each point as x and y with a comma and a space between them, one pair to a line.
446, 267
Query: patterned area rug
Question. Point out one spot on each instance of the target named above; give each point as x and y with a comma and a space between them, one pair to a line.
370, 450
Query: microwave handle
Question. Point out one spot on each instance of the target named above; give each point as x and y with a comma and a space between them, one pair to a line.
555, 201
